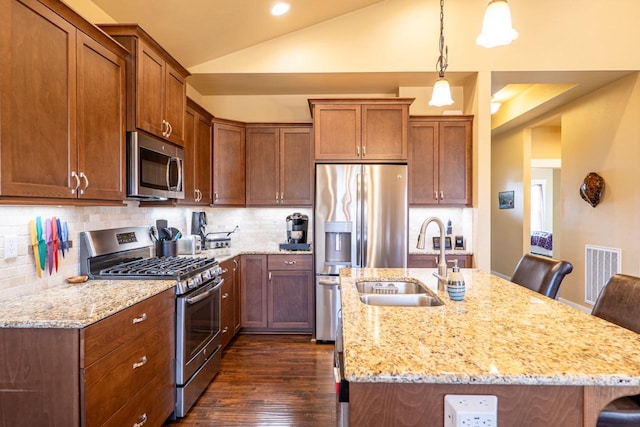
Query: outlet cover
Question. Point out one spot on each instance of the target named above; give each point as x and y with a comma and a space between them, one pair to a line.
470, 410
10, 247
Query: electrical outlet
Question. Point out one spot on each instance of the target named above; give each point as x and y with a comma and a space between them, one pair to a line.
10, 247
470, 410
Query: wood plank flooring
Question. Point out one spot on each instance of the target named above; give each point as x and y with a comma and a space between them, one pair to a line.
269, 380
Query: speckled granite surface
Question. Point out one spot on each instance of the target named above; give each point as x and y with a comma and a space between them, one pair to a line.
501, 333
79, 305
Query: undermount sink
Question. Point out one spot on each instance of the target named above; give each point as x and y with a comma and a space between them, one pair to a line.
401, 300
399, 293
381, 287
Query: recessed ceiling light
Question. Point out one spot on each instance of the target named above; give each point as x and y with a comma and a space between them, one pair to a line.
280, 9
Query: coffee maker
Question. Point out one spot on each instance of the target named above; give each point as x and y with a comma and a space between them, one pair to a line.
199, 225
297, 225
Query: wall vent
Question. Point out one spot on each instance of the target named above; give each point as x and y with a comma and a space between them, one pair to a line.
600, 264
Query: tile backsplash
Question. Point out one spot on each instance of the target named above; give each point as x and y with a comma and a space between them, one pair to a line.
258, 229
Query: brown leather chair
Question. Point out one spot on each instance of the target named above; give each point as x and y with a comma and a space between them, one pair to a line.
619, 303
541, 274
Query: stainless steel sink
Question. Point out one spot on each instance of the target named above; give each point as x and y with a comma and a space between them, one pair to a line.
401, 300
381, 287
399, 293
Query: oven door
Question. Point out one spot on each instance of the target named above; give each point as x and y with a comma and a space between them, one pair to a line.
198, 328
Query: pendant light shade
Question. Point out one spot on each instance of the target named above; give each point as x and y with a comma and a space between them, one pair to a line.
441, 95
496, 26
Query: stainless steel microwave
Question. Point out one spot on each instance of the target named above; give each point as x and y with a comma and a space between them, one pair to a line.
154, 168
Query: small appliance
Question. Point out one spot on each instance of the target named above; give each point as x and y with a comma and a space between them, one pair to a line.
199, 224
297, 225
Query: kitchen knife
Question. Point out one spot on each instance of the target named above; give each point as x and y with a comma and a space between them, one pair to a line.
42, 245
34, 243
64, 237
54, 237
49, 244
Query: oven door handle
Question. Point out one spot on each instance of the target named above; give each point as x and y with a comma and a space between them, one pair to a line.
204, 295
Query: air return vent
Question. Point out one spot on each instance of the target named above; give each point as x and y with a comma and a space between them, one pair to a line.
600, 265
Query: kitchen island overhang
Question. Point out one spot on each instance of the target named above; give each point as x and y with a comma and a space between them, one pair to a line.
553, 362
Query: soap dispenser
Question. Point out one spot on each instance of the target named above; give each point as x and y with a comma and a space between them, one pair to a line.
455, 283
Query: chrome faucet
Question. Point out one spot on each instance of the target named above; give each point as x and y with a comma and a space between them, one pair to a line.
442, 262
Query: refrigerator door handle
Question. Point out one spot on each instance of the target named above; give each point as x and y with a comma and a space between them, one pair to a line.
359, 230
365, 218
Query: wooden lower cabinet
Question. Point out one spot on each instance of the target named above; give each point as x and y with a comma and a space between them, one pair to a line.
118, 371
230, 297
277, 293
431, 261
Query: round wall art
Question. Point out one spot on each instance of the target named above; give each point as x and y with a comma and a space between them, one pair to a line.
592, 189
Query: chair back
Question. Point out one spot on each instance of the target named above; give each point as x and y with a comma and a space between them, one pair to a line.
541, 274
619, 302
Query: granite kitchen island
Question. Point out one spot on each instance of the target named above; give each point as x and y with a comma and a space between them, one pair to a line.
549, 364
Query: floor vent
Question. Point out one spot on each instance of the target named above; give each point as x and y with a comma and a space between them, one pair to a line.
600, 264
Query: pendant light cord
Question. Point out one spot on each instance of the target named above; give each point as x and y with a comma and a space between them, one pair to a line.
442, 63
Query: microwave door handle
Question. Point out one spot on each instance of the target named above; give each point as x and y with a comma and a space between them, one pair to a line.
179, 163
179, 166
168, 174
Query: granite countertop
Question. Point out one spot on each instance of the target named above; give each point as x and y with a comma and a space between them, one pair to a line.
501, 333
77, 305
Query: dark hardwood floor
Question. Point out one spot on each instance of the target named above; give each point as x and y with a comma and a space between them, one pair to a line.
269, 380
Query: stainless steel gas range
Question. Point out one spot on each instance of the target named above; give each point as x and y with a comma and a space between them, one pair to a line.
127, 253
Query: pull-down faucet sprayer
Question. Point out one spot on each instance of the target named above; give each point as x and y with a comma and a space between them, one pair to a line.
442, 262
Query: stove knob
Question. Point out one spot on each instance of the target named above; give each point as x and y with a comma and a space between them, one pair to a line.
206, 275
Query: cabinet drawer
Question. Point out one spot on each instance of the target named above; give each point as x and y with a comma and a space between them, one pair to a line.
112, 332
150, 406
289, 262
117, 377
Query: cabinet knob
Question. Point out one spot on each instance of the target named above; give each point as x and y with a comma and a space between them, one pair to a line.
143, 420
225, 296
140, 319
86, 182
75, 175
225, 329
141, 363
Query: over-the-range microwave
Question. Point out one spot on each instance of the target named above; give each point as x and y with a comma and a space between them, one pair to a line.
154, 168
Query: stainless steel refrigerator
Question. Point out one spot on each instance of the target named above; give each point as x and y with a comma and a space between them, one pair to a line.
361, 220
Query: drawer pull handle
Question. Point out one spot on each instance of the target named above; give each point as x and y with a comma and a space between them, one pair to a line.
141, 363
225, 330
143, 421
140, 319
226, 295
290, 262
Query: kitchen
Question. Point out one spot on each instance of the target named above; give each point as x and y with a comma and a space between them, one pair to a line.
267, 225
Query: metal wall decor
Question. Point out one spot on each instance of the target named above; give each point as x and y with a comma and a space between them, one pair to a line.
592, 189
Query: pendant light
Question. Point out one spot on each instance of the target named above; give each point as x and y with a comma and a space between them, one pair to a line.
441, 94
496, 25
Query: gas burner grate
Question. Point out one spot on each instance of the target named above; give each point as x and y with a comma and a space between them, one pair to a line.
163, 266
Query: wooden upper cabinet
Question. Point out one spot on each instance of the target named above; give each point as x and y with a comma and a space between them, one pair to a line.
360, 129
440, 160
156, 84
61, 106
228, 163
279, 166
197, 155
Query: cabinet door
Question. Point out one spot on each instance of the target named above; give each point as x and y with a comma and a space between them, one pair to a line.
337, 132
296, 166
262, 166
189, 176
228, 164
254, 291
175, 102
203, 160
150, 82
101, 121
384, 132
291, 300
37, 101
455, 161
237, 303
423, 162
